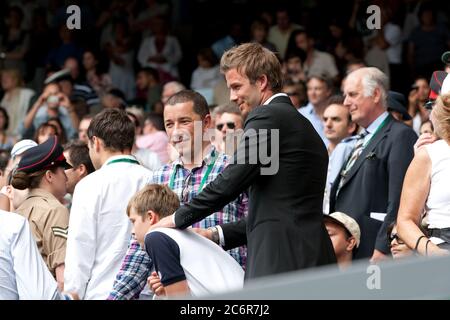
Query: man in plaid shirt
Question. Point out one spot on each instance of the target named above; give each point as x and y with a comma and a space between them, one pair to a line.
186, 177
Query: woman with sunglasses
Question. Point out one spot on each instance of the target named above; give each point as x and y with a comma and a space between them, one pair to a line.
426, 188
398, 247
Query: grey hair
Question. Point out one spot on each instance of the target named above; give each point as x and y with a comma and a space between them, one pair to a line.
175, 85
373, 78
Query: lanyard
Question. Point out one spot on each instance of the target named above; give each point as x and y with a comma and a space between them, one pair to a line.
385, 121
124, 160
205, 177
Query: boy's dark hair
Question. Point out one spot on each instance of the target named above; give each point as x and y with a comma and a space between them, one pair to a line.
79, 154
114, 128
156, 197
200, 104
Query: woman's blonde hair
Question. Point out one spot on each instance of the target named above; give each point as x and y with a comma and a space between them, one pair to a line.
441, 116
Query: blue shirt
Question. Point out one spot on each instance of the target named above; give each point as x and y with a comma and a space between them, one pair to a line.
338, 158
309, 113
372, 128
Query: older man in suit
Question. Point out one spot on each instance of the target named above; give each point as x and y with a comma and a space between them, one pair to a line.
369, 186
284, 230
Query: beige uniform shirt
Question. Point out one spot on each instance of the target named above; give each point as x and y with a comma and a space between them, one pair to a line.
49, 221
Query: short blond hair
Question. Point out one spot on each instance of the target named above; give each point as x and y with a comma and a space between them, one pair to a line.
253, 61
156, 197
441, 116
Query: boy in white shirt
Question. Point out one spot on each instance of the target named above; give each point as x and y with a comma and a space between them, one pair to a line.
186, 262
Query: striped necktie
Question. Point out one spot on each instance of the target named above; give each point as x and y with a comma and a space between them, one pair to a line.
359, 146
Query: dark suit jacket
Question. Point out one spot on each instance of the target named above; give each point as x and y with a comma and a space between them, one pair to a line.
374, 184
284, 227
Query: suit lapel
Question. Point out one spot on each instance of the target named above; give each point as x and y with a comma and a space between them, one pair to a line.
369, 149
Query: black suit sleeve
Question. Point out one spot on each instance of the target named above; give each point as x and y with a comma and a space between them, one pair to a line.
235, 234
236, 178
398, 162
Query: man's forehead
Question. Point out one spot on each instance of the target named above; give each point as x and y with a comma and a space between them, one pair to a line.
352, 83
335, 111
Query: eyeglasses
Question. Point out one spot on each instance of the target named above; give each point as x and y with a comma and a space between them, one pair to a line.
230, 125
396, 237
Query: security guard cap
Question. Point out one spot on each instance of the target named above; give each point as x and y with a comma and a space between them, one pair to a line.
44, 156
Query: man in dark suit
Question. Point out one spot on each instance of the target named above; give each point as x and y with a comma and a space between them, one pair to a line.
369, 186
284, 230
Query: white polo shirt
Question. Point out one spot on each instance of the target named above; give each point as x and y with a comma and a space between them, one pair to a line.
184, 255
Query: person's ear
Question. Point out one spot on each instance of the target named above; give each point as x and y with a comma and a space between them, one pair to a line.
48, 175
207, 122
351, 243
351, 128
152, 217
262, 82
96, 143
376, 95
82, 170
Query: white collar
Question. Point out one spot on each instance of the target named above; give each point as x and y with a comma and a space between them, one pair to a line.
120, 156
274, 96
375, 124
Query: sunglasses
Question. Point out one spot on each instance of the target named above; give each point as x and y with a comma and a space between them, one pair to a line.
395, 236
230, 125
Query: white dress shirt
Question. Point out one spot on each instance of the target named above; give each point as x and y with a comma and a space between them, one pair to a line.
23, 273
99, 229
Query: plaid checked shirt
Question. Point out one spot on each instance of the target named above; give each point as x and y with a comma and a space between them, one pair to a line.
137, 266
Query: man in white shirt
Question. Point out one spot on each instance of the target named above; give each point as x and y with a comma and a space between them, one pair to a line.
99, 228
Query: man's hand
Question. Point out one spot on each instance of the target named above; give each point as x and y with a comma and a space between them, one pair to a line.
424, 139
154, 282
166, 222
377, 256
207, 233
64, 101
413, 98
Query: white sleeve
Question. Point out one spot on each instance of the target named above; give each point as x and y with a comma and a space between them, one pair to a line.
33, 279
81, 240
221, 236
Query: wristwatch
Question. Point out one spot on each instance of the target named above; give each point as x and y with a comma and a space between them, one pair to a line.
214, 235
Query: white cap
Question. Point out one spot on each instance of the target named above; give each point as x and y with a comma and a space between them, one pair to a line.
348, 223
22, 146
446, 85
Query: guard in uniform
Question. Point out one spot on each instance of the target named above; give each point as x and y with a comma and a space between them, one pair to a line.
41, 170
